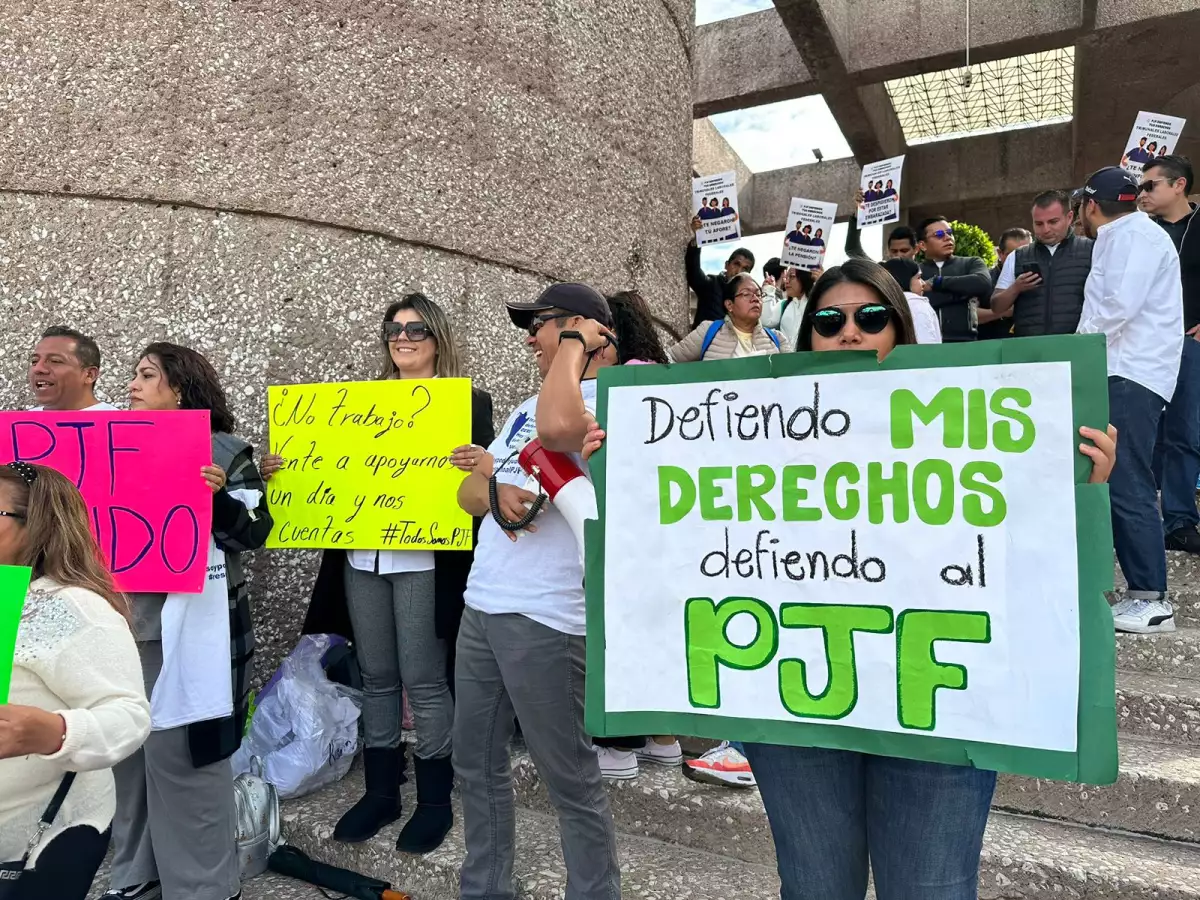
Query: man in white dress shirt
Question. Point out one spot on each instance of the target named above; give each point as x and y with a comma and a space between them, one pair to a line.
63, 370
1134, 296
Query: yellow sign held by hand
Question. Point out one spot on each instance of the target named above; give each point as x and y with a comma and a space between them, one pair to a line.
367, 464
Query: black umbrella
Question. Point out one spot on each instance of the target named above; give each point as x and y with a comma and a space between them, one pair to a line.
287, 860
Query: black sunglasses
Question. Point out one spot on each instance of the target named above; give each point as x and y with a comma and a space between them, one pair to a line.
537, 323
11, 515
870, 319
1151, 183
416, 331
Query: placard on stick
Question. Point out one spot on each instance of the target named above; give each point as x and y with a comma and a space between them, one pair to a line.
139, 473
898, 558
14, 584
1153, 135
367, 464
880, 184
715, 199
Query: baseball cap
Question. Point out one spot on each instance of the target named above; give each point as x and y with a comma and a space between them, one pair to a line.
1110, 183
572, 297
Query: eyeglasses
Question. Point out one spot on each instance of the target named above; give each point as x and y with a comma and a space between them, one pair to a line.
755, 294
940, 233
539, 322
1151, 183
870, 319
416, 331
11, 515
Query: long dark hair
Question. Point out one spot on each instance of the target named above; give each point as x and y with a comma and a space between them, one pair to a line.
447, 362
196, 380
868, 274
637, 338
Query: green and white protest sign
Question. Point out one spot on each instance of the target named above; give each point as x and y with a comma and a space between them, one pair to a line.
14, 582
901, 558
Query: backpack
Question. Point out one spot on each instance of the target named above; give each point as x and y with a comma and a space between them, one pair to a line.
714, 327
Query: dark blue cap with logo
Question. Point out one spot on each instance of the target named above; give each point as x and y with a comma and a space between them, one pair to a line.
1110, 183
573, 298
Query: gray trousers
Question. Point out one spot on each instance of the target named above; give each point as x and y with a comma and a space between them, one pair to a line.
397, 644
174, 823
510, 665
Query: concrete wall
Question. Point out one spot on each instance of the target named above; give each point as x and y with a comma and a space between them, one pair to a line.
257, 179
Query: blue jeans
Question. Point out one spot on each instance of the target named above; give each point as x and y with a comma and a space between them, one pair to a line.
1177, 456
919, 824
1137, 525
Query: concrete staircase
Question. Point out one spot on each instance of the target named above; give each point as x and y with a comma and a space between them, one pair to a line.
1137, 839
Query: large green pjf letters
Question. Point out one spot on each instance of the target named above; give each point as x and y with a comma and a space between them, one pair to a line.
920, 674
709, 647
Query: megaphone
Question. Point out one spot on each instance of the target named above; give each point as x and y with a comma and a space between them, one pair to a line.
564, 483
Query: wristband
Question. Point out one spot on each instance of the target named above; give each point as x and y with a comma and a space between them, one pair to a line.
575, 336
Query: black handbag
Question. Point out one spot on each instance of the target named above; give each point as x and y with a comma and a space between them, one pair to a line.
10, 872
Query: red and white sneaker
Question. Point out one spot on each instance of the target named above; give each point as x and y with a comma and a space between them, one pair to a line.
721, 765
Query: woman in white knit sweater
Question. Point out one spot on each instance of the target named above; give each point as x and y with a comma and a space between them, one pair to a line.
76, 702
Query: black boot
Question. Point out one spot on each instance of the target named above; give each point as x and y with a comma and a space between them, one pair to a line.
430, 824
380, 805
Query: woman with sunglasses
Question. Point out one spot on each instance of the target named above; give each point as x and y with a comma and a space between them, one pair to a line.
837, 814
76, 706
401, 609
739, 334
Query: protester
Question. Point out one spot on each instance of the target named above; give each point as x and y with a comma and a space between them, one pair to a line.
907, 274
954, 285
401, 609
63, 371
1134, 296
783, 313
175, 804
76, 706
993, 325
709, 288
1042, 284
837, 815
1166, 183
738, 333
521, 646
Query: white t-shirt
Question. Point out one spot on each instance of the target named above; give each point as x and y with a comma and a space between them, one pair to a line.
539, 576
1008, 272
925, 320
97, 407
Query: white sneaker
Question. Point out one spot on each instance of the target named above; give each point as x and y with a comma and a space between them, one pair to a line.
721, 765
1146, 617
617, 765
1121, 605
660, 754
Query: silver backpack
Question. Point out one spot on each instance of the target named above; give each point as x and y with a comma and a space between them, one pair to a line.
258, 833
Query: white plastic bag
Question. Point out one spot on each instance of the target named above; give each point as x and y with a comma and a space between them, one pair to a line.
305, 727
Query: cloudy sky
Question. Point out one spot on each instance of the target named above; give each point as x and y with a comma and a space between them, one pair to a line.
777, 136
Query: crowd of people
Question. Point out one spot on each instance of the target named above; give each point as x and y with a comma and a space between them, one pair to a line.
489, 643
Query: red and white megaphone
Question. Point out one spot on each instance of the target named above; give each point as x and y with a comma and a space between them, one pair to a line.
564, 483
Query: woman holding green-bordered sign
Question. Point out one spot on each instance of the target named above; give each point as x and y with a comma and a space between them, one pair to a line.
401, 608
75, 706
838, 815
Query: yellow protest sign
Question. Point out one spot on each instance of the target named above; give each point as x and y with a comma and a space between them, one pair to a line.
367, 464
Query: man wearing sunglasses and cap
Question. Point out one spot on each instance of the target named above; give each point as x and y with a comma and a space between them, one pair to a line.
521, 643
1133, 295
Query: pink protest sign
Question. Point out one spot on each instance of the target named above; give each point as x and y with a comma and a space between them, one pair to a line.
139, 473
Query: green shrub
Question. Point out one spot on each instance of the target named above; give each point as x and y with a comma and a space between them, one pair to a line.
971, 240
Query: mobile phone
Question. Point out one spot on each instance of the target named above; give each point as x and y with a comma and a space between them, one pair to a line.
1031, 269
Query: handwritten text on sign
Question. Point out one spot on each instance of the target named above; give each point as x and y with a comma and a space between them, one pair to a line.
139, 473
880, 549
367, 464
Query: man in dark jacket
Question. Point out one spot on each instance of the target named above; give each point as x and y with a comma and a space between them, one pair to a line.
1042, 284
1166, 183
954, 285
710, 305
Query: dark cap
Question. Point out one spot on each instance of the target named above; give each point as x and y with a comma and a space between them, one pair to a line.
1110, 183
574, 298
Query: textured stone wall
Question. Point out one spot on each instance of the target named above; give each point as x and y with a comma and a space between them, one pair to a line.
257, 179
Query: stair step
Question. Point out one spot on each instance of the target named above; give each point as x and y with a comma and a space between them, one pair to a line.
650, 869
1174, 654
1157, 793
1158, 706
1022, 857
